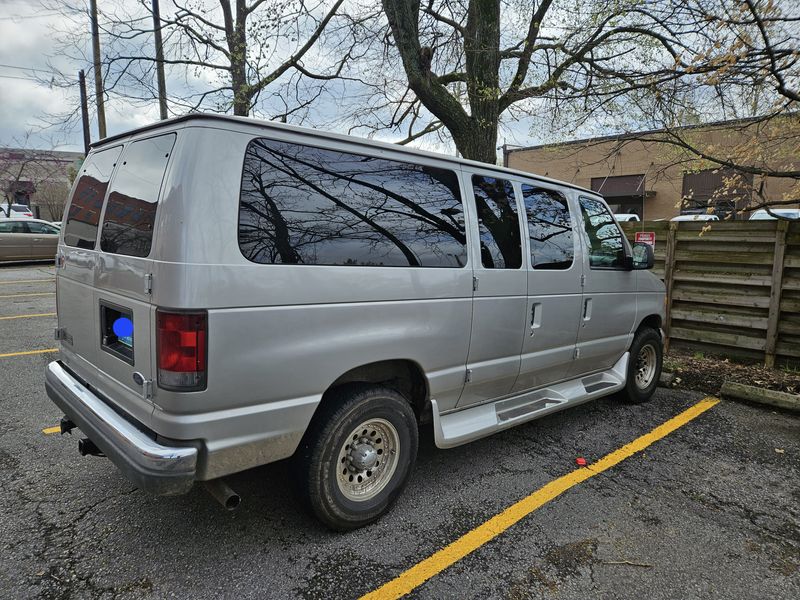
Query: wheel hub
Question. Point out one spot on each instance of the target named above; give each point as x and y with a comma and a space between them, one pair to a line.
367, 459
363, 456
645, 366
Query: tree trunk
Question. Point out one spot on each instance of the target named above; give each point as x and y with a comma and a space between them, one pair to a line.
475, 133
236, 37
479, 142
482, 62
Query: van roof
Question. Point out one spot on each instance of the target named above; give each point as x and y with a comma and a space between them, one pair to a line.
328, 135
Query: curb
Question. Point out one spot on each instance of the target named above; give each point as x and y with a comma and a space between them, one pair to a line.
740, 391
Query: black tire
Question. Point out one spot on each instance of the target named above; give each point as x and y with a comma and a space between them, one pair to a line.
645, 338
317, 460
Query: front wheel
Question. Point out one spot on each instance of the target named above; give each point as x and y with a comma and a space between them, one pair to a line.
644, 366
357, 455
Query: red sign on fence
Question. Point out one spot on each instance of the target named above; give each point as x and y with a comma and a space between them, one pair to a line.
647, 237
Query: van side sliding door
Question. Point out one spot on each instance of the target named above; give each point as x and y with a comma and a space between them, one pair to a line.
554, 274
608, 310
499, 284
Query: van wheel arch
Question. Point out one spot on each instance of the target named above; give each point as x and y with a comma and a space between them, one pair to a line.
650, 322
402, 375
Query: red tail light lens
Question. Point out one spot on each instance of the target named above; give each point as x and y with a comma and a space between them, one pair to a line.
181, 350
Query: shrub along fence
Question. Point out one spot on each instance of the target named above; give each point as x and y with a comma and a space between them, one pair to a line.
733, 289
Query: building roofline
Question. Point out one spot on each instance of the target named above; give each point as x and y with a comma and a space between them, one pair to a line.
271, 125
41, 151
634, 135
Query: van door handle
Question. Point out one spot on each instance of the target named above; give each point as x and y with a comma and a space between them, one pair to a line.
587, 309
536, 317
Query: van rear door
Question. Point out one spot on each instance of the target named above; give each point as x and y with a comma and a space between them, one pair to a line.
114, 311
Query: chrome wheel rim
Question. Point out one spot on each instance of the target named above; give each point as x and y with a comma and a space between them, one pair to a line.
645, 366
367, 460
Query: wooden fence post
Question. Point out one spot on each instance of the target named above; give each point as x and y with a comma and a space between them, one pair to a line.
669, 278
775, 294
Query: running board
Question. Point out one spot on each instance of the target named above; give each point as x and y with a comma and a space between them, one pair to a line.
463, 426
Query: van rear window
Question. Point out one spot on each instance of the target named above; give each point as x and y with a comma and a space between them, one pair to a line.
83, 215
131, 211
306, 205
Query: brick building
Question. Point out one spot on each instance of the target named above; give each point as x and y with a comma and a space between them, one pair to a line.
657, 180
39, 179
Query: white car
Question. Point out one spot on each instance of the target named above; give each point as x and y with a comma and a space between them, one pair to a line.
786, 213
622, 217
695, 218
18, 211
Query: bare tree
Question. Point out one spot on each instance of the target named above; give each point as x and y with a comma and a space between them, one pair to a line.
52, 197
473, 63
219, 55
745, 68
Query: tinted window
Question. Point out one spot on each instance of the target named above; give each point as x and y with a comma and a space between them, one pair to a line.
549, 228
87, 201
11, 227
306, 205
131, 211
498, 223
603, 237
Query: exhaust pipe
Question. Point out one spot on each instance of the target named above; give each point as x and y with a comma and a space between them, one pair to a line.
88, 447
66, 425
222, 493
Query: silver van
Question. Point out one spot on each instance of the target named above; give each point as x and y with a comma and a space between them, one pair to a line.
233, 292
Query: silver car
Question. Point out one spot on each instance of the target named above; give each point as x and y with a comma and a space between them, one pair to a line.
234, 292
27, 239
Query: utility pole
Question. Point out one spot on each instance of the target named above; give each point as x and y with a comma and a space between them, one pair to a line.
98, 75
84, 112
162, 85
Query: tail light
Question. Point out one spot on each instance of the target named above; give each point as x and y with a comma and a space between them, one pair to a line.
181, 350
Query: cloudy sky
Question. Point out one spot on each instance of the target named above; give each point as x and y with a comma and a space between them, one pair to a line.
27, 56
30, 58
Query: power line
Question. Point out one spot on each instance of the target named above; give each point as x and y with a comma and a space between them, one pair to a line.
15, 77
21, 17
25, 68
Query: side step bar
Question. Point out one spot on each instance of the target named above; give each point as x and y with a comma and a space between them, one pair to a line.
463, 426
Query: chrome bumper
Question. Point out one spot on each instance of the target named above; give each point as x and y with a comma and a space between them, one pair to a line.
153, 467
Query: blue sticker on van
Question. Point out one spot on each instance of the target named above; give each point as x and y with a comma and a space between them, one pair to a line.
123, 327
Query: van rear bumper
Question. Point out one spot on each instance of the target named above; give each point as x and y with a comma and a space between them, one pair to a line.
152, 466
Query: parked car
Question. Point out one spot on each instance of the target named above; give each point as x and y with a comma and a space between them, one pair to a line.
16, 211
786, 213
622, 217
27, 239
317, 296
702, 217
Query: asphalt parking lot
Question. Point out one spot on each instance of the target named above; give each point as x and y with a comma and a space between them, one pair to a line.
709, 510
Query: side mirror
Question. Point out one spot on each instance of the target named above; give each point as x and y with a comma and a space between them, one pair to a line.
643, 257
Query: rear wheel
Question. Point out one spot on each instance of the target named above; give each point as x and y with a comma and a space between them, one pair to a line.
644, 365
357, 455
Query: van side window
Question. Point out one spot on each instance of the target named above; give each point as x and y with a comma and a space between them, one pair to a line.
83, 215
549, 228
315, 206
498, 223
603, 237
131, 209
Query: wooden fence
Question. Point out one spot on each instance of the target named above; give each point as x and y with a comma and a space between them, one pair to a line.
733, 289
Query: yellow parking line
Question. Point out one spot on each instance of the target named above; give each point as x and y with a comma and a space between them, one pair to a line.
51, 430
45, 351
27, 281
471, 541
26, 295
27, 316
